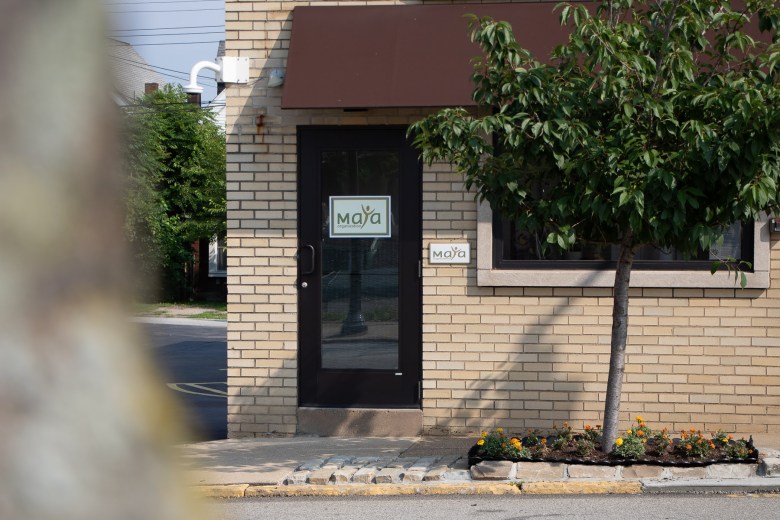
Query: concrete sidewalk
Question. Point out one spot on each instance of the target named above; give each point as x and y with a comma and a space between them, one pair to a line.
297, 466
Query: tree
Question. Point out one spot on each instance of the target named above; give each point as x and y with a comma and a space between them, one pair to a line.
175, 161
657, 123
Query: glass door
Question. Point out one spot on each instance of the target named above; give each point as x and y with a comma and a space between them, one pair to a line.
359, 285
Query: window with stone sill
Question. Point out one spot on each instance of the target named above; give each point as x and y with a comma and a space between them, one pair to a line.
507, 256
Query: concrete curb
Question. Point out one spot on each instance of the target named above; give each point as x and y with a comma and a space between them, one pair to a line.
465, 488
581, 488
744, 485
189, 322
751, 485
248, 491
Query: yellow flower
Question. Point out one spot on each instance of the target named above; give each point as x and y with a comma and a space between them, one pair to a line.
484, 434
499, 430
480, 442
639, 419
629, 432
619, 441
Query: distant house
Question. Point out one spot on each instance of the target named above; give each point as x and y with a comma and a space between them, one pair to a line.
210, 283
131, 74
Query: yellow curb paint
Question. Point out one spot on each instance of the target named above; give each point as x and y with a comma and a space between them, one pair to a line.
382, 490
225, 491
581, 488
505, 488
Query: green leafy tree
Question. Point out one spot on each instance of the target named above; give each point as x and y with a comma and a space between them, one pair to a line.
656, 124
175, 161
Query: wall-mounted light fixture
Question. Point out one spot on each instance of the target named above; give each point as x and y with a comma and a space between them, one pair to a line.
229, 69
774, 225
276, 78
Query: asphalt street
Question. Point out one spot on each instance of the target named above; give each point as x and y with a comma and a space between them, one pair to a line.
193, 360
597, 507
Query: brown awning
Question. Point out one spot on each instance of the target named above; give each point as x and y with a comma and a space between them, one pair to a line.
399, 56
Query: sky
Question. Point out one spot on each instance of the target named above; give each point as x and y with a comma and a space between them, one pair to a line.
166, 33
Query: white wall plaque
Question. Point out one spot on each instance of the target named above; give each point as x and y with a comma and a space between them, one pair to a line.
450, 253
359, 217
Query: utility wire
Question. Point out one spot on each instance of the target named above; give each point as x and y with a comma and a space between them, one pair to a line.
170, 34
168, 10
170, 43
170, 28
162, 2
145, 65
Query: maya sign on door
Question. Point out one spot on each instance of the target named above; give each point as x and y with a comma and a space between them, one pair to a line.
359, 217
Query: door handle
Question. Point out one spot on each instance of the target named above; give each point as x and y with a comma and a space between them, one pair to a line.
311, 250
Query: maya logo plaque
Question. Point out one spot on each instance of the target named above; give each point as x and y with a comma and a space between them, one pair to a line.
459, 253
359, 217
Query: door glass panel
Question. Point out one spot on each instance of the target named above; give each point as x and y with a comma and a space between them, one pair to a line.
359, 275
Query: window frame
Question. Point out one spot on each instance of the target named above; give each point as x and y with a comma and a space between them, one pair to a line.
214, 252
601, 274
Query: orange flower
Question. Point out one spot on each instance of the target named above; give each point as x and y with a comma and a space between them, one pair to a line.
688, 447
712, 445
587, 427
543, 441
700, 441
640, 433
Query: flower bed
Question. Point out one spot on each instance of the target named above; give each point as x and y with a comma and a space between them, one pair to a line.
638, 445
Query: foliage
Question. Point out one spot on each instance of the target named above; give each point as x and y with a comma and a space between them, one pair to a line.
632, 445
536, 443
495, 445
694, 444
564, 436
637, 442
738, 449
656, 124
174, 156
661, 441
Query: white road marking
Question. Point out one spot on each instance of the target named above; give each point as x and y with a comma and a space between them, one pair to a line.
201, 388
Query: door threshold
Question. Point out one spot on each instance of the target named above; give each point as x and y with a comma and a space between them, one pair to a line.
360, 422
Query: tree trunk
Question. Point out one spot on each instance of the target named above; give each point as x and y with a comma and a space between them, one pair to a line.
617, 357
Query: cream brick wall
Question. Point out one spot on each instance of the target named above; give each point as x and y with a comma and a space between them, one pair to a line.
510, 356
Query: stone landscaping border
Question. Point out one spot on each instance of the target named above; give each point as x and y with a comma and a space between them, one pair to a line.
373, 476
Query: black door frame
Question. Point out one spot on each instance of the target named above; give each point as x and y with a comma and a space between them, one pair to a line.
363, 388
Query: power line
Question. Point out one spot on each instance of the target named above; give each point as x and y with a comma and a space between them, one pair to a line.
170, 28
170, 43
169, 34
163, 2
185, 75
168, 10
